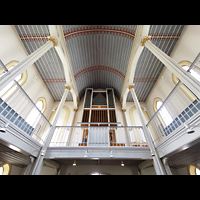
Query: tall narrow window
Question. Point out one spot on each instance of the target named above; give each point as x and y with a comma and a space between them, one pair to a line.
164, 115
194, 72
4, 169
34, 115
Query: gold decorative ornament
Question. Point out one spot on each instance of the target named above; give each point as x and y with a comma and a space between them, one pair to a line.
75, 109
68, 87
144, 40
124, 110
53, 40
131, 86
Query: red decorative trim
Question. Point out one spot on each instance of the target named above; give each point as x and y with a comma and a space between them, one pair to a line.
34, 37
71, 33
99, 67
54, 80
164, 36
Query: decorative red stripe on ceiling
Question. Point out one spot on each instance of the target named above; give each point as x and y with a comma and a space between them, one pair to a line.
164, 36
74, 32
99, 67
71, 33
34, 37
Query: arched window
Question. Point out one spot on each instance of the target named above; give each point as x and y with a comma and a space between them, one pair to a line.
193, 170
164, 115
194, 72
10, 88
34, 115
60, 136
4, 169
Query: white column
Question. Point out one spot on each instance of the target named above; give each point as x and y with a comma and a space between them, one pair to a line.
156, 160
24, 64
39, 161
166, 165
71, 130
186, 78
128, 137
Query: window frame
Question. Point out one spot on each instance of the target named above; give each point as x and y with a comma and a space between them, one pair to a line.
183, 87
160, 117
20, 82
42, 111
8, 170
192, 169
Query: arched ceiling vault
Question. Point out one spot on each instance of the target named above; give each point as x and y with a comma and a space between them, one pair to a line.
99, 56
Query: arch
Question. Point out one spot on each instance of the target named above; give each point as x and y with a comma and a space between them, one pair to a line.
5, 169
165, 120
34, 116
133, 121
66, 116
11, 88
58, 136
183, 87
44, 103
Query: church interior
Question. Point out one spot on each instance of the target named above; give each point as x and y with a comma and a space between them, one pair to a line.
99, 99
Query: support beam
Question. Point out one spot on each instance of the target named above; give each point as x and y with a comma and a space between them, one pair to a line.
57, 32
156, 160
141, 32
24, 64
39, 161
186, 78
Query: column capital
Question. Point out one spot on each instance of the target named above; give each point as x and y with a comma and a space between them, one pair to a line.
68, 87
130, 86
144, 40
53, 40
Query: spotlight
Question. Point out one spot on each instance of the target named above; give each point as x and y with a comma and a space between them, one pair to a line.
3, 129
86, 154
122, 164
111, 156
74, 164
189, 130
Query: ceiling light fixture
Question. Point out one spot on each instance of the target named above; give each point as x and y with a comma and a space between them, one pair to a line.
122, 164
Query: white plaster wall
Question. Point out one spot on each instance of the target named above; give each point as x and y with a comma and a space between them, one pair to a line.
187, 48
110, 169
129, 105
12, 49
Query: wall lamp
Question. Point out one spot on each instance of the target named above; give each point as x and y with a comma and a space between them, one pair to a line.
3, 129
189, 130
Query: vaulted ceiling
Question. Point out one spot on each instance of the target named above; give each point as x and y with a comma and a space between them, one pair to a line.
99, 56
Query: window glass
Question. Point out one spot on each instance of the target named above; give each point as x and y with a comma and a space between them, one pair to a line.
4, 169
193, 72
193, 170
164, 113
34, 114
10, 88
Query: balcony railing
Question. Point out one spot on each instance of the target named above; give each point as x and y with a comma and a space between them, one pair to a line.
182, 107
96, 136
16, 107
